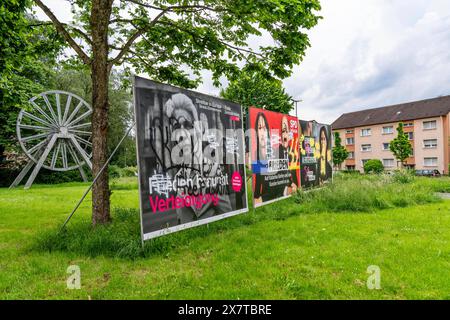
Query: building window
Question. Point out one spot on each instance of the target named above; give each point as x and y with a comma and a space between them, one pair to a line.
430, 162
364, 161
408, 125
386, 147
349, 131
351, 155
412, 152
350, 141
366, 132
411, 135
350, 168
429, 125
430, 144
388, 163
366, 147
388, 130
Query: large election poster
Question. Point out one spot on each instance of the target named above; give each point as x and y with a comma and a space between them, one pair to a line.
315, 150
274, 154
190, 150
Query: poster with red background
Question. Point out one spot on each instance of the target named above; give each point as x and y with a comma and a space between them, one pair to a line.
274, 155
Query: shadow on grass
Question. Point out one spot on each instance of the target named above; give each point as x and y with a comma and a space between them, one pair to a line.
122, 239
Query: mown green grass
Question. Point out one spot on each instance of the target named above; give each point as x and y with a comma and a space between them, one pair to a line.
308, 247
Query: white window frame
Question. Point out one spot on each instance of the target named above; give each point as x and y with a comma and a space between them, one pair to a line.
431, 145
366, 144
349, 144
409, 137
430, 165
383, 148
432, 127
389, 166
408, 124
368, 130
387, 127
349, 131
351, 155
363, 161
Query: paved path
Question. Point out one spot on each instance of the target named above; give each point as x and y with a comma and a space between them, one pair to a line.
443, 195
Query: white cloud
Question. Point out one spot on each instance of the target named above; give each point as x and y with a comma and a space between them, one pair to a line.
373, 53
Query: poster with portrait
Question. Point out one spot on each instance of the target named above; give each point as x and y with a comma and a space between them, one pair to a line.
190, 150
315, 154
274, 154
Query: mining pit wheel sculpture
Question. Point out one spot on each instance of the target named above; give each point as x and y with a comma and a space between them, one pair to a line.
55, 134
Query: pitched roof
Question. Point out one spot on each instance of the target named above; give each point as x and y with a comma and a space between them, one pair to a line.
401, 112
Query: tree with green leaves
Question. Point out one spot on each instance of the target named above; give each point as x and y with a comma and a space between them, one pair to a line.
400, 146
28, 55
173, 39
340, 153
253, 89
12, 35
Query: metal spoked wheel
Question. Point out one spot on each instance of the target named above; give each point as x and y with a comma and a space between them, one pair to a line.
56, 132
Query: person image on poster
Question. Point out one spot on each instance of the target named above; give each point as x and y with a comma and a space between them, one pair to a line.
263, 153
184, 118
325, 170
287, 153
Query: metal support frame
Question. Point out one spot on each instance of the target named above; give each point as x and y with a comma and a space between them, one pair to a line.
51, 135
41, 161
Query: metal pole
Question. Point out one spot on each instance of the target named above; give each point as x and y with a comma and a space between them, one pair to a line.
96, 177
296, 103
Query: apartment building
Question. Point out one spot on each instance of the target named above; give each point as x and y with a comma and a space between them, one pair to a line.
367, 134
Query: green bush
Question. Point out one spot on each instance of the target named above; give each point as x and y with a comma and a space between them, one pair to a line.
114, 171
45, 176
128, 172
403, 176
365, 194
355, 172
374, 166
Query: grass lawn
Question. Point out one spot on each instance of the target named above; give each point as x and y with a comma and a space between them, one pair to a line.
285, 250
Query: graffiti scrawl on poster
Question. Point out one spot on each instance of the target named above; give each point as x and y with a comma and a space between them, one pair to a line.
190, 158
315, 151
274, 155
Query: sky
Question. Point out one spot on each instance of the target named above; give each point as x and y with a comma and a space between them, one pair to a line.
363, 54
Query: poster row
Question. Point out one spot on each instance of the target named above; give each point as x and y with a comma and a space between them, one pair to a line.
192, 156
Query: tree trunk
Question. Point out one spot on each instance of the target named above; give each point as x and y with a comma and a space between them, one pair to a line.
100, 71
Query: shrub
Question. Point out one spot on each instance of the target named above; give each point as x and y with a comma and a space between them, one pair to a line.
403, 176
374, 166
365, 194
355, 172
128, 172
45, 176
114, 171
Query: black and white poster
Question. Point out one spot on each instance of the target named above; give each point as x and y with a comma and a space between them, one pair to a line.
190, 150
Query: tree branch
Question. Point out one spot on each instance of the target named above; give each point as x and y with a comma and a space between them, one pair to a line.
164, 10
75, 29
136, 35
174, 8
240, 50
63, 32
